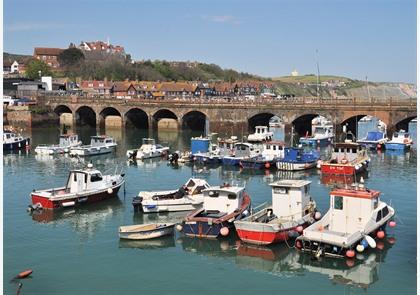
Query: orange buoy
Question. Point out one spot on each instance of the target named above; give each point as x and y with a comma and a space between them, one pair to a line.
392, 223
24, 274
350, 253
298, 244
380, 234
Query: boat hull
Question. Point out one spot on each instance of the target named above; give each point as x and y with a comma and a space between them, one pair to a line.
147, 235
231, 161
315, 141
202, 229
397, 146
92, 151
256, 164
343, 169
74, 200
156, 208
294, 166
21, 144
203, 159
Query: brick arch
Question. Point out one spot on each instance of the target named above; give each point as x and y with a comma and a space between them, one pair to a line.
60, 109
302, 122
194, 120
293, 117
136, 117
383, 116
260, 118
85, 115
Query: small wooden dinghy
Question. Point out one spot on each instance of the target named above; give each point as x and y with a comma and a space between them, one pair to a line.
146, 231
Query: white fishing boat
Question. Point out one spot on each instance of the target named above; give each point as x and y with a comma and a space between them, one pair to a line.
356, 215
100, 144
66, 141
146, 231
148, 149
261, 134
188, 197
322, 135
14, 141
292, 209
83, 186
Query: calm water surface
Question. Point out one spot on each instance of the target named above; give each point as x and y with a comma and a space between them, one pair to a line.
78, 251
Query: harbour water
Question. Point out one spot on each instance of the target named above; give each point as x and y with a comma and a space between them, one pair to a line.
77, 251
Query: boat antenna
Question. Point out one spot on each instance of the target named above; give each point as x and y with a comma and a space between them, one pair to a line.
318, 77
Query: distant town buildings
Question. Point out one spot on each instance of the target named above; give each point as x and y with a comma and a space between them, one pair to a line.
48, 55
100, 46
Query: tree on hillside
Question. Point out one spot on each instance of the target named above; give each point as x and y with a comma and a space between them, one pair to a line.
71, 57
37, 67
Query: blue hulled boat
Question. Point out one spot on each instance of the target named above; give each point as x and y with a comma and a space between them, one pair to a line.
297, 159
374, 140
400, 141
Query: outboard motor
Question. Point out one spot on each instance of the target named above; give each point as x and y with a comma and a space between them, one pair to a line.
173, 158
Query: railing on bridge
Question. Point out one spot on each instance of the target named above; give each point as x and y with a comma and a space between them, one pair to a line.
76, 97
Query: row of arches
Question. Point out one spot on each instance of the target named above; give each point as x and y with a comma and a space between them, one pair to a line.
135, 117
303, 124
197, 121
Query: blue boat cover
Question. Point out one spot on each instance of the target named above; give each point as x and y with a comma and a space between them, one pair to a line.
374, 135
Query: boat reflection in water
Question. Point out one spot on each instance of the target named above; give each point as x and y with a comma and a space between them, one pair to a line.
161, 217
158, 243
86, 220
333, 179
280, 260
149, 164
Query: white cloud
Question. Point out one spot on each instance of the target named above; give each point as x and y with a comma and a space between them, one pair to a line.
18, 27
222, 19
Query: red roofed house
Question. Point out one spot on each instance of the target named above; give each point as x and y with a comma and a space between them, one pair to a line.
48, 55
96, 87
123, 89
100, 46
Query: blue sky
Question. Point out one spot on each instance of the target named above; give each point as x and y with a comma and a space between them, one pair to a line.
358, 38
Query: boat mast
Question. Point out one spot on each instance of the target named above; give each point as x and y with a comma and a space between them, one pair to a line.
317, 78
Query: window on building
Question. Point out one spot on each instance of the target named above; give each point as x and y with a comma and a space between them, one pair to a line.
338, 203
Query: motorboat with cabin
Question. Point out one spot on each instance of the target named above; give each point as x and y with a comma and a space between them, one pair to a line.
261, 134
66, 141
356, 215
204, 152
322, 135
401, 140
374, 140
188, 197
146, 231
272, 151
149, 149
297, 159
347, 158
14, 141
241, 151
222, 206
83, 186
292, 210
99, 144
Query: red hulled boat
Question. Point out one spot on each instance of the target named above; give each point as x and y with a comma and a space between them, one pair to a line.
83, 186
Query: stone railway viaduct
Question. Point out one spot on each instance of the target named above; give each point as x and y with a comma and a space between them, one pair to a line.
234, 115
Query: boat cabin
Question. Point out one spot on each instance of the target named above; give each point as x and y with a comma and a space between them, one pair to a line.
347, 152
148, 141
100, 140
375, 136
401, 136
223, 199
273, 149
244, 149
323, 130
68, 139
227, 145
81, 180
196, 186
290, 199
9, 137
351, 209
261, 130
200, 145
